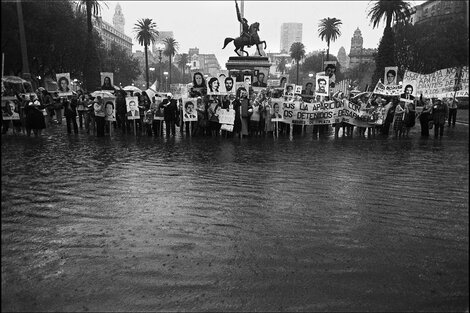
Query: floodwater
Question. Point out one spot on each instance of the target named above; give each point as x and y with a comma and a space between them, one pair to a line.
213, 224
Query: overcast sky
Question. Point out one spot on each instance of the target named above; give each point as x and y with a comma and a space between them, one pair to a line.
205, 24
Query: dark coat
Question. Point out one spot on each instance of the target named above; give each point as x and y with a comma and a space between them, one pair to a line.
170, 110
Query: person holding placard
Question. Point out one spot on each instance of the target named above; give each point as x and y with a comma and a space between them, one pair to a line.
98, 106
425, 115
70, 112
34, 117
170, 111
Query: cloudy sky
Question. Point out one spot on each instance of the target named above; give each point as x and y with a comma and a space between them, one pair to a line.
205, 24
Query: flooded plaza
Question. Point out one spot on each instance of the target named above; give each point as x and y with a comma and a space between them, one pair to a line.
127, 223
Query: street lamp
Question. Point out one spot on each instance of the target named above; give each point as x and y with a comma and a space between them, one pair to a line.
166, 80
188, 66
310, 75
152, 69
159, 47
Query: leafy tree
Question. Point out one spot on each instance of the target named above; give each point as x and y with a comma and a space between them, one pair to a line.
182, 62
171, 47
388, 10
125, 68
91, 61
146, 34
281, 67
328, 30
297, 52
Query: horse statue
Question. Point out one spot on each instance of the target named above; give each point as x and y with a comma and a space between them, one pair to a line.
246, 40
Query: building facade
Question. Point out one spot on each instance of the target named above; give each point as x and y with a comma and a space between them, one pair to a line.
358, 54
113, 33
290, 33
439, 11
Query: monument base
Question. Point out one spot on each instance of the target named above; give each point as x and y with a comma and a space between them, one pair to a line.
240, 67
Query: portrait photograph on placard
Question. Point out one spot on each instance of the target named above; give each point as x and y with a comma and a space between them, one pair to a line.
63, 82
298, 89
261, 77
213, 86
321, 85
109, 109
228, 85
189, 109
107, 81
247, 80
289, 90
390, 75
132, 107
409, 92
330, 71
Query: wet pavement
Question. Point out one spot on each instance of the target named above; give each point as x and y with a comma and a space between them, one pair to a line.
213, 224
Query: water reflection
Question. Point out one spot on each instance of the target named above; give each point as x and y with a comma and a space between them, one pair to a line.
138, 223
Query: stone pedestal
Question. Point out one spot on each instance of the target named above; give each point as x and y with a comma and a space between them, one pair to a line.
240, 67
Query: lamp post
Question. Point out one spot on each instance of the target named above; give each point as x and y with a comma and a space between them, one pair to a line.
152, 69
188, 66
166, 80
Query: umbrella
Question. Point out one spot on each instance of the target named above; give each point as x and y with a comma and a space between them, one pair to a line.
102, 94
132, 88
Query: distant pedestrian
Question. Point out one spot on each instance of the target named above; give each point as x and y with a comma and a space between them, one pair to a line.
170, 111
425, 116
70, 112
410, 117
452, 104
398, 119
439, 112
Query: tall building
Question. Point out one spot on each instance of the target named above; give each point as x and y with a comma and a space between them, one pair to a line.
290, 33
358, 54
439, 11
343, 58
118, 19
110, 34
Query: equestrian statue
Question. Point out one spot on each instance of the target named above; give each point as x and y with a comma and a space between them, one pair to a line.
248, 37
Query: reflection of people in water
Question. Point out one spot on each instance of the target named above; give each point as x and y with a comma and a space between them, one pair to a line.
391, 74
109, 108
260, 82
214, 84
189, 110
107, 84
64, 84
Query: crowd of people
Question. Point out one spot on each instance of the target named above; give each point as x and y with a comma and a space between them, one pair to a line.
256, 114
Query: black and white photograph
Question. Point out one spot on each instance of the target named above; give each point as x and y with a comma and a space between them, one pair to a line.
235, 156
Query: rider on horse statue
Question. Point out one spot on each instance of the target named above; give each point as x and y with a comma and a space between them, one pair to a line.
244, 22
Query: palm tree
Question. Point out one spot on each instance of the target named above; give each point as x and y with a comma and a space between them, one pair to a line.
297, 52
390, 10
329, 29
170, 50
90, 68
182, 62
146, 34
281, 67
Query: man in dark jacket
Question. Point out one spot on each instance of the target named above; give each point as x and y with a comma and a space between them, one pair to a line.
121, 111
70, 112
170, 111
